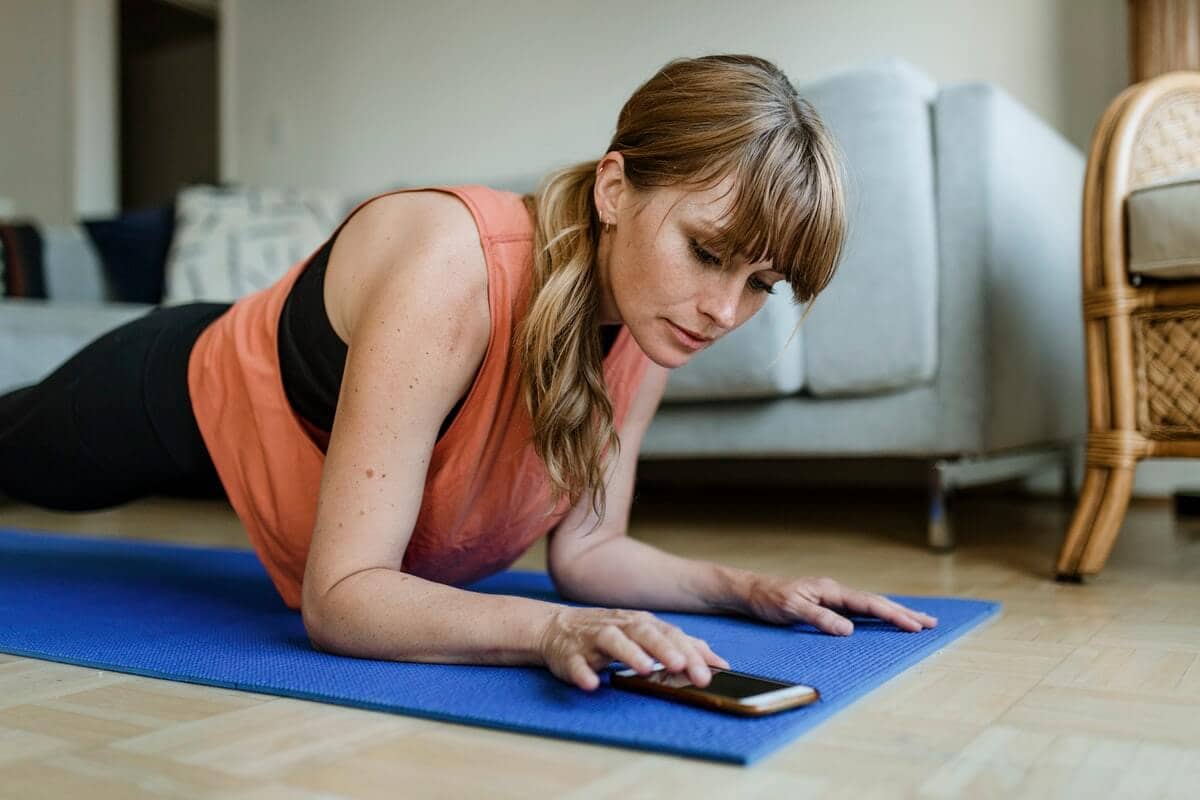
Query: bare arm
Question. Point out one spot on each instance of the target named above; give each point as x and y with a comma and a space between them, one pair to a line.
609, 568
387, 614
418, 328
632, 574
605, 567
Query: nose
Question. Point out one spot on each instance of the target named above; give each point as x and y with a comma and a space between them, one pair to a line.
720, 305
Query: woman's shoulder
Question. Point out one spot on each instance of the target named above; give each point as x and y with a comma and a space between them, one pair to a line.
472, 211
418, 245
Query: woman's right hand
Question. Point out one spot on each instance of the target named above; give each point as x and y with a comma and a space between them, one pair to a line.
577, 642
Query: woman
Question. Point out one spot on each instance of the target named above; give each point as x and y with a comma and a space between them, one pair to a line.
459, 371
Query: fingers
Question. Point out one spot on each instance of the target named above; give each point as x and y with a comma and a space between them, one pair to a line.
875, 605
617, 644
645, 638
710, 657
675, 649
825, 619
637, 638
884, 609
580, 674
908, 619
928, 620
888, 610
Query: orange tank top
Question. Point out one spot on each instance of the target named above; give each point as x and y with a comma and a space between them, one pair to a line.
486, 492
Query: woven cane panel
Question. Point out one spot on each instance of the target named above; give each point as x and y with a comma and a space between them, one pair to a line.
1168, 143
1167, 353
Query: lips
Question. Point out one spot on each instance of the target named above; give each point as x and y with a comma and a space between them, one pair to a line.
688, 340
692, 333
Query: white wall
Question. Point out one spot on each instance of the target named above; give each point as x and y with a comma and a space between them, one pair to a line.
58, 117
94, 92
36, 159
369, 94
364, 94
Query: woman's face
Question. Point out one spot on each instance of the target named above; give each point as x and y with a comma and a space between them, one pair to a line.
657, 277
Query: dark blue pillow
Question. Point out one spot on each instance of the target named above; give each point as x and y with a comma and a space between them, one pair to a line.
133, 248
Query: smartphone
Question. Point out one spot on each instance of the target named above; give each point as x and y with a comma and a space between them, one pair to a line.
729, 691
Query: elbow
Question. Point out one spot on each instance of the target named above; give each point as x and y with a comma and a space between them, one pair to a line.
325, 614
556, 578
313, 614
563, 585
308, 614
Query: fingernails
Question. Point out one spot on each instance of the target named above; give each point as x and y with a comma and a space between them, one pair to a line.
843, 627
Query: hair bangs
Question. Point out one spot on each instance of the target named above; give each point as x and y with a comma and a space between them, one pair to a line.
786, 210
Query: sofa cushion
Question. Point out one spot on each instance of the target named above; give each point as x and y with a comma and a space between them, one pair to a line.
133, 247
875, 327
750, 362
230, 241
36, 335
51, 262
1164, 229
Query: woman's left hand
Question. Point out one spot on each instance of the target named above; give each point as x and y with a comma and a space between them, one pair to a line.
790, 600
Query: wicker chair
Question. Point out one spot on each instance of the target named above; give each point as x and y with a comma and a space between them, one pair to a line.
1142, 326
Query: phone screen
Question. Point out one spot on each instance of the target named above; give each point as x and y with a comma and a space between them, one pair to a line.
734, 685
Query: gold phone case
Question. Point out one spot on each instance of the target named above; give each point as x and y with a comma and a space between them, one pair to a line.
700, 697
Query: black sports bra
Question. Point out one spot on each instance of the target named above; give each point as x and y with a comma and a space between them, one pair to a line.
311, 356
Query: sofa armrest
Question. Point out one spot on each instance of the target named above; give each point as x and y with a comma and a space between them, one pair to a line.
1010, 196
36, 336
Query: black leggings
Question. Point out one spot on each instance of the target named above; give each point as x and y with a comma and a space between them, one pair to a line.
114, 422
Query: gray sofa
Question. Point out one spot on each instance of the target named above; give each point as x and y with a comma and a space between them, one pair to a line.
950, 338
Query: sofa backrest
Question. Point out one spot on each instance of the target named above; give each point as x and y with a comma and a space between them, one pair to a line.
875, 327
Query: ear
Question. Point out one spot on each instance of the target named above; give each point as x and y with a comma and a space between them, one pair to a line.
610, 185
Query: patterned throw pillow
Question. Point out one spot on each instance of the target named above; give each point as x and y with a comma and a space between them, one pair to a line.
231, 241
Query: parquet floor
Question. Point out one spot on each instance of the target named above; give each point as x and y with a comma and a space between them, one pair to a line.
1075, 691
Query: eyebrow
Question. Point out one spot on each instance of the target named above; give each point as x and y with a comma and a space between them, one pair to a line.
711, 228
708, 228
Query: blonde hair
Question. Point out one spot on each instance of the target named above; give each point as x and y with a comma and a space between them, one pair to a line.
696, 121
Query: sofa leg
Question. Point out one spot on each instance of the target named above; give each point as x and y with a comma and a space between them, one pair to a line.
940, 534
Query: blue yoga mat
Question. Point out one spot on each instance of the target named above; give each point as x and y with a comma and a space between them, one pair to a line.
211, 616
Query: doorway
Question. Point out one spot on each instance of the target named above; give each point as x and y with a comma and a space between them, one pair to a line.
168, 98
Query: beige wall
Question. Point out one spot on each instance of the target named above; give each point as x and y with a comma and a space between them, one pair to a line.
362, 94
36, 132
367, 94
58, 148
370, 94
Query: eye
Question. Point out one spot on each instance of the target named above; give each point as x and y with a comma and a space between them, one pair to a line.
758, 286
702, 254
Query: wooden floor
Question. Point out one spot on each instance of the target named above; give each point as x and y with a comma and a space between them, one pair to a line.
1081, 691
